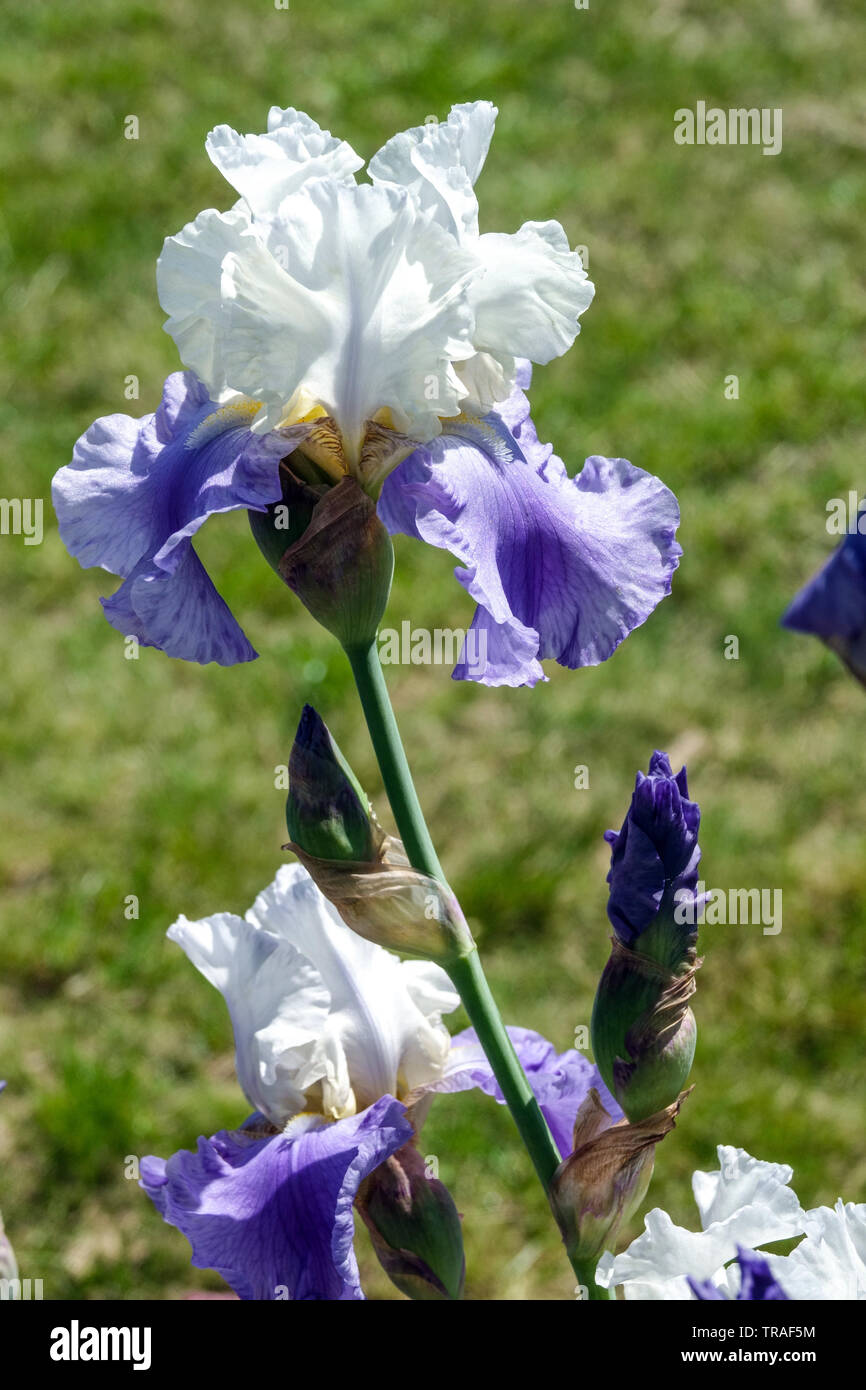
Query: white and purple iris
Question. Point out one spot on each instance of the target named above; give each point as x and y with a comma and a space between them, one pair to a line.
746, 1204
372, 325
339, 1047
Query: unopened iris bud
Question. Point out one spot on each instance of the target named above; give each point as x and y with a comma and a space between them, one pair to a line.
600, 1186
415, 1227
327, 813
363, 872
329, 546
643, 1031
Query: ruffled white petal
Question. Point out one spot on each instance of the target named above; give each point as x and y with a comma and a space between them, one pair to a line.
748, 1202
439, 164
831, 1262
265, 169
531, 294
380, 292
189, 285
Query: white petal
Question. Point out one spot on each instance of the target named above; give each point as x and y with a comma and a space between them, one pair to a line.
831, 1262
384, 1034
267, 168
276, 998
742, 1181
369, 314
747, 1203
189, 280
439, 164
533, 290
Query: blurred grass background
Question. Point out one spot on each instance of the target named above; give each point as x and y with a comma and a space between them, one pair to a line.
156, 778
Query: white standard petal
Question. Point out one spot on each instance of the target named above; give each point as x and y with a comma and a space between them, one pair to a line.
384, 1034
367, 316
439, 164
531, 294
277, 1001
264, 169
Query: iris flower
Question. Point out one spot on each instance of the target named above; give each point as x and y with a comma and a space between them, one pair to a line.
746, 1204
339, 1048
373, 327
832, 605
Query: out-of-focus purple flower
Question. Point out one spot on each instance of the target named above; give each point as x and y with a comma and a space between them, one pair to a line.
757, 1283
561, 1081
654, 857
832, 606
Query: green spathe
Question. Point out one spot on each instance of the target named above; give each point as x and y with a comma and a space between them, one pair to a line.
327, 813
643, 1031
415, 1227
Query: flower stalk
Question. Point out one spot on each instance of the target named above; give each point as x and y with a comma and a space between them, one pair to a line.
466, 971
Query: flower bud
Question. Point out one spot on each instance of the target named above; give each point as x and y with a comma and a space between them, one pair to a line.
600, 1186
414, 1226
329, 546
363, 872
643, 1031
327, 813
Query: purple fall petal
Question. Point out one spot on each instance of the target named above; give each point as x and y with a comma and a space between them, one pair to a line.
275, 1213
135, 494
561, 1082
560, 567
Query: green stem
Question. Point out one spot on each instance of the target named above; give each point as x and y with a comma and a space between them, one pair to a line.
586, 1276
466, 972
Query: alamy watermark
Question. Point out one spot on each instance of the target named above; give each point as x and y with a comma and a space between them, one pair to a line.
732, 906
738, 126
440, 647
22, 516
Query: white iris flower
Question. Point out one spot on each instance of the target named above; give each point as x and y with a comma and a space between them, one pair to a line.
325, 1023
369, 311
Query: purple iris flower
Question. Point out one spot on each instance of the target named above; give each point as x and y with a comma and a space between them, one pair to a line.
832, 606
654, 857
757, 1283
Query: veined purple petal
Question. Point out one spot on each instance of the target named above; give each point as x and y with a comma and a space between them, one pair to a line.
275, 1213
137, 491
560, 567
561, 1082
832, 605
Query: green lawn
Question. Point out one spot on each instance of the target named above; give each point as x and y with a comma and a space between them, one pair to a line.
155, 778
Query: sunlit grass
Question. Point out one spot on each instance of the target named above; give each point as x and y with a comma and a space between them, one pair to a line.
154, 779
